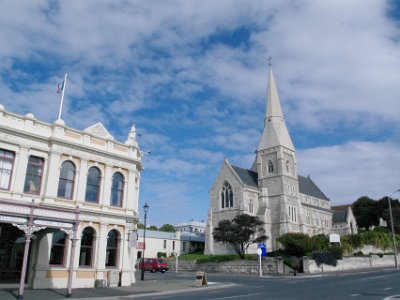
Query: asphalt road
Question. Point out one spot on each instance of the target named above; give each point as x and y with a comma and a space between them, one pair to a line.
383, 284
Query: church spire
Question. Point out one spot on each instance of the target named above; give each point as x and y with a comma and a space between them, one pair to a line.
275, 132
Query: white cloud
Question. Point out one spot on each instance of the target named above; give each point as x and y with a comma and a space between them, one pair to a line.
346, 172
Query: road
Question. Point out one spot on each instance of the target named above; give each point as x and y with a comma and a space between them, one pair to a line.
383, 284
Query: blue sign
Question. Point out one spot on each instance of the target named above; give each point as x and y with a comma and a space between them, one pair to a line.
263, 249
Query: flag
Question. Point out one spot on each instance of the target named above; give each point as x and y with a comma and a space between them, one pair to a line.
60, 87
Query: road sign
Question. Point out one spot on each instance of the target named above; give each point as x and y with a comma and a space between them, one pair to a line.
259, 252
263, 249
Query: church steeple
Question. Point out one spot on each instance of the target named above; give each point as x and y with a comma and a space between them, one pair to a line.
275, 132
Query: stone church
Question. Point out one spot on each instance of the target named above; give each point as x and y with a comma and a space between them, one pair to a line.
271, 190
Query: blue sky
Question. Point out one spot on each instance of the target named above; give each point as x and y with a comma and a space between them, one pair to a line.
192, 76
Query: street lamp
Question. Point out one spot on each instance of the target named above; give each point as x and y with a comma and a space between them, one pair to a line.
145, 209
391, 223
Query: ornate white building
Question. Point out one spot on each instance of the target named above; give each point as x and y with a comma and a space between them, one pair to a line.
271, 190
68, 204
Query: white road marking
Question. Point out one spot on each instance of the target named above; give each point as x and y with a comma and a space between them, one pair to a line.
354, 295
388, 288
237, 296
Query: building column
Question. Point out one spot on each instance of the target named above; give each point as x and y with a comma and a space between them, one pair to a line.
81, 181
105, 200
126, 259
131, 188
20, 169
53, 175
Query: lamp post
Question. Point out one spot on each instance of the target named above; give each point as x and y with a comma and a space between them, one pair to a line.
145, 209
391, 223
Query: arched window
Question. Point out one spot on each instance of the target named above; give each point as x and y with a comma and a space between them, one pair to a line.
67, 178
93, 185
86, 252
6, 167
117, 189
226, 195
34, 173
112, 248
58, 248
270, 166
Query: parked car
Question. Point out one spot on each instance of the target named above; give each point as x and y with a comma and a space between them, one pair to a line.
154, 265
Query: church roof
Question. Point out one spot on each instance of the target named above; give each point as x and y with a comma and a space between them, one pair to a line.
306, 185
248, 177
339, 216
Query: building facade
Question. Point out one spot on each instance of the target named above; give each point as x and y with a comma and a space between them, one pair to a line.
68, 204
272, 190
343, 220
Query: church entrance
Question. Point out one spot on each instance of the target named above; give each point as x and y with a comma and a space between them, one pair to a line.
12, 243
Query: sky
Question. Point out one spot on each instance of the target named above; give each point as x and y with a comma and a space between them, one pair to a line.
192, 76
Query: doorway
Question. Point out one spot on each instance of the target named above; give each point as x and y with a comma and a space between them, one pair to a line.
12, 244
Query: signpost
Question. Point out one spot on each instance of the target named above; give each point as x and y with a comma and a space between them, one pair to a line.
259, 252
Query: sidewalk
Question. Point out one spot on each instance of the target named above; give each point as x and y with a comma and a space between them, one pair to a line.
149, 286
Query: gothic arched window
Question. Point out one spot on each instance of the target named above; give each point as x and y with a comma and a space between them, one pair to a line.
66, 181
117, 189
270, 167
226, 195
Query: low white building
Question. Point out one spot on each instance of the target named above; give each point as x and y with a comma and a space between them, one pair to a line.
189, 237
192, 226
158, 241
68, 204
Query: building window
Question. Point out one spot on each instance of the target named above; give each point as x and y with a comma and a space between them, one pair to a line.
173, 245
66, 182
270, 167
86, 251
58, 248
117, 189
251, 208
165, 244
292, 214
93, 185
226, 195
112, 248
34, 175
6, 167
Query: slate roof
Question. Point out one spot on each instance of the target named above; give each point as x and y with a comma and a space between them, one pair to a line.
306, 185
339, 216
248, 177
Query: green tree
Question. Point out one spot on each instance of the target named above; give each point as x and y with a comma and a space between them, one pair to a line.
367, 212
140, 226
167, 228
152, 227
240, 232
395, 204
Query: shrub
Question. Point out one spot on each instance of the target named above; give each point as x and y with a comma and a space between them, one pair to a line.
161, 254
336, 251
295, 244
319, 243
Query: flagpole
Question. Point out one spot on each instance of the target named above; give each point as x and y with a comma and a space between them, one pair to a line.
62, 96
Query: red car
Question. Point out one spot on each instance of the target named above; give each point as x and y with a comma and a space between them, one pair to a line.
154, 265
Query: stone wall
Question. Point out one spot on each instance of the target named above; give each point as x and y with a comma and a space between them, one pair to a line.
269, 266
349, 263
